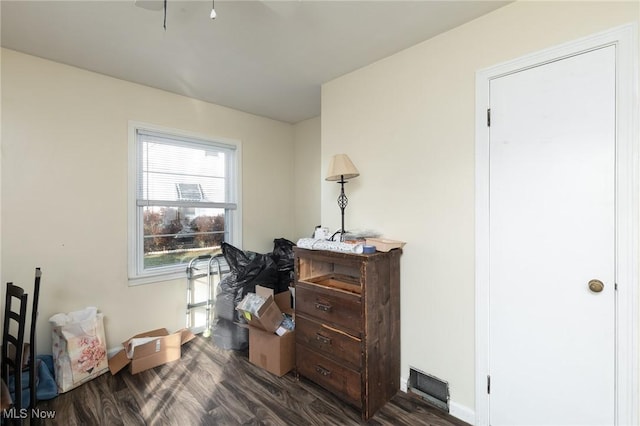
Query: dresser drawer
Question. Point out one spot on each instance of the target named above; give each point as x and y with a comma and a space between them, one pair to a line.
334, 307
329, 341
332, 376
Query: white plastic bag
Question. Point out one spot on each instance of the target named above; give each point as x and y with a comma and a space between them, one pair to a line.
79, 347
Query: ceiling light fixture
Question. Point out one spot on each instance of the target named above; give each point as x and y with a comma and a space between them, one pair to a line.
164, 24
213, 10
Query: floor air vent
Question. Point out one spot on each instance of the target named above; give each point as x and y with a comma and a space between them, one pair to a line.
432, 389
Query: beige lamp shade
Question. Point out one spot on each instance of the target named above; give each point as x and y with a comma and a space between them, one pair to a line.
341, 167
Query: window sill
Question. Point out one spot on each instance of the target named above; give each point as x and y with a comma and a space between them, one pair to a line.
156, 278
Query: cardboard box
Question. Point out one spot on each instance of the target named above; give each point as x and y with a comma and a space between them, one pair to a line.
269, 316
160, 348
384, 244
276, 354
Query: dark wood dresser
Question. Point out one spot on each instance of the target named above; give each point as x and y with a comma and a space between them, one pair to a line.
348, 324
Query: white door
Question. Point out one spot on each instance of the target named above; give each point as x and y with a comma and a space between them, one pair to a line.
552, 231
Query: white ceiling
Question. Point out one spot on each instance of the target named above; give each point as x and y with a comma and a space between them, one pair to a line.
263, 57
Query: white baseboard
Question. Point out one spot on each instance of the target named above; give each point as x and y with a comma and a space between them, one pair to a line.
462, 412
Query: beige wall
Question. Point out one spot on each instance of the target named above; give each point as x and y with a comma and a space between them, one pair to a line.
407, 122
307, 177
64, 188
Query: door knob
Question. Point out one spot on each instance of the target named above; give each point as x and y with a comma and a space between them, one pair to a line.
596, 286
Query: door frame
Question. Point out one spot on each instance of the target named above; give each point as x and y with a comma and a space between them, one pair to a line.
627, 371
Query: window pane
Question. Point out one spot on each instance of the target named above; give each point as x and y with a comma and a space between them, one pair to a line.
168, 169
175, 235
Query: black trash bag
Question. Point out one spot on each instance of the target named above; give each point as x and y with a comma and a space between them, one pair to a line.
229, 293
236, 258
225, 305
283, 256
262, 270
247, 269
285, 280
229, 335
228, 283
251, 268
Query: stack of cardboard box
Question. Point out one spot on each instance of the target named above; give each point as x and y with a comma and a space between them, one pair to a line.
275, 353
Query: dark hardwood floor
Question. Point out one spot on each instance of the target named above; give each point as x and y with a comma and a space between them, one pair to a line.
211, 386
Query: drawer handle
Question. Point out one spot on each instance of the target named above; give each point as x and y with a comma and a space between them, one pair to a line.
325, 307
322, 371
323, 339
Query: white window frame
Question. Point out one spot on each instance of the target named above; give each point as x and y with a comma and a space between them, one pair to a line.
136, 272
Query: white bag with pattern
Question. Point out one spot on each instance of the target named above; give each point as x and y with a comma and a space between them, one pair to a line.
79, 347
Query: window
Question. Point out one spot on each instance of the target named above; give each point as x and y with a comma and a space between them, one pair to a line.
183, 201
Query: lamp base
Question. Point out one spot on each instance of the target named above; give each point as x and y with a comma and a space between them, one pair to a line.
342, 203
